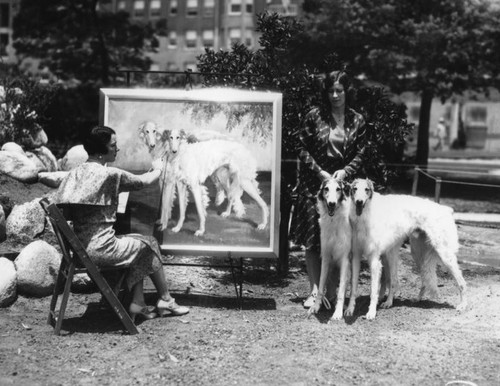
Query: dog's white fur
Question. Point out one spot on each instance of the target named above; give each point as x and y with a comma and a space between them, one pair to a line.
380, 225
333, 207
189, 165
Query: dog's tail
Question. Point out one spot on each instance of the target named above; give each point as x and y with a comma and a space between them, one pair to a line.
426, 259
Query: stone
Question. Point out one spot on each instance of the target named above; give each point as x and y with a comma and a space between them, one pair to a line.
3, 227
73, 157
82, 283
52, 179
27, 219
8, 282
12, 146
18, 166
37, 267
48, 159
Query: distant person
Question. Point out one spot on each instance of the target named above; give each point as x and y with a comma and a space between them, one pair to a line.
440, 134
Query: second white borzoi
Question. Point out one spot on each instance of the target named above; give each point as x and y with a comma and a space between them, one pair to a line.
333, 207
190, 164
380, 225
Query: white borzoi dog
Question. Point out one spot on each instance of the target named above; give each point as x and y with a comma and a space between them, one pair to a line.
235, 169
333, 207
155, 139
380, 225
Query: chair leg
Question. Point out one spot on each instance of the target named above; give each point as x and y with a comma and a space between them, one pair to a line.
64, 300
60, 282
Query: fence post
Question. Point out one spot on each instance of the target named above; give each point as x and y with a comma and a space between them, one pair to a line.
415, 181
437, 192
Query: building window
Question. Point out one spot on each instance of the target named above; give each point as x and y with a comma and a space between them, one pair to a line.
4, 15
172, 39
249, 6
139, 6
121, 5
208, 7
4, 42
234, 36
477, 115
249, 37
173, 7
192, 8
235, 7
208, 38
155, 8
191, 39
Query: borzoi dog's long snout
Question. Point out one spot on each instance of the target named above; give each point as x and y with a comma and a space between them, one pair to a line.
360, 194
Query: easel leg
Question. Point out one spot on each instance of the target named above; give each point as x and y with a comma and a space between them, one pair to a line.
238, 284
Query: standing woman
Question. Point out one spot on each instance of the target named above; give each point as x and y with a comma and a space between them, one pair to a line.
91, 190
331, 143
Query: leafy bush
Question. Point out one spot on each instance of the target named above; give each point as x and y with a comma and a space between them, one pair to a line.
24, 103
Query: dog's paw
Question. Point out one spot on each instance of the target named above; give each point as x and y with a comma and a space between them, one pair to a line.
386, 304
462, 307
337, 315
176, 229
349, 311
314, 309
199, 232
370, 315
225, 214
261, 227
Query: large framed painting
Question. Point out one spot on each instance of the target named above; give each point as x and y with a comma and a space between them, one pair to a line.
219, 192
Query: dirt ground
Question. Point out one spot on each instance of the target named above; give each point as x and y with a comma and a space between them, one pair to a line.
269, 340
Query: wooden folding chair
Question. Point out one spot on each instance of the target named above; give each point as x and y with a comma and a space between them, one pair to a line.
76, 260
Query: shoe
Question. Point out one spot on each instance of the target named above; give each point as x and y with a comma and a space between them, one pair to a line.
170, 308
309, 302
143, 312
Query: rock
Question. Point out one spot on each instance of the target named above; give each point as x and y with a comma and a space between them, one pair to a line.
3, 230
82, 283
74, 157
37, 267
18, 166
36, 140
12, 146
26, 219
52, 179
48, 159
8, 282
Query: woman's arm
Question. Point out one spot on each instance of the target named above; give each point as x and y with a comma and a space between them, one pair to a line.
357, 161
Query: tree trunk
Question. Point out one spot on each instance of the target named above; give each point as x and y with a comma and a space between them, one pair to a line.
423, 128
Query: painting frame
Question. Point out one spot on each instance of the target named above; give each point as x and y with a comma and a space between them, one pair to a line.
115, 111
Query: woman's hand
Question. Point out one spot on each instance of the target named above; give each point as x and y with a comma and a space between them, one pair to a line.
340, 174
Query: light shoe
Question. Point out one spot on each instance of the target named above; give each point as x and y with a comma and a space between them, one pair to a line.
143, 312
170, 308
309, 302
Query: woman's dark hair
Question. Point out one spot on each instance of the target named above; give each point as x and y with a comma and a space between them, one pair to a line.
326, 83
98, 139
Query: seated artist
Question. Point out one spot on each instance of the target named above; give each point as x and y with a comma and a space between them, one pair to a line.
92, 190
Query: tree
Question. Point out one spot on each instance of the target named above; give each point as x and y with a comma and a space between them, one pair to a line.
79, 40
436, 48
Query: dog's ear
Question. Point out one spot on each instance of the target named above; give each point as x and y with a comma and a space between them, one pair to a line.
165, 135
370, 186
182, 133
320, 196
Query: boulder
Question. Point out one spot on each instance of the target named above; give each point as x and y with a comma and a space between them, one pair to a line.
27, 219
18, 166
37, 267
8, 282
45, 158
3, 230
12, 146
82, 283
35, 140
52, 179
74, 157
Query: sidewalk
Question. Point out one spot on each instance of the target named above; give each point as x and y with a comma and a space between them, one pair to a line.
480, 219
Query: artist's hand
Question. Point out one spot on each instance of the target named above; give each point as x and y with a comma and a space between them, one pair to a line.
324, 175
340, 174
157, 164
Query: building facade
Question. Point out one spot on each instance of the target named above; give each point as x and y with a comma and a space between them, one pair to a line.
193, 25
